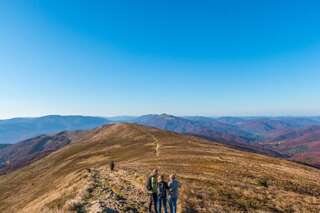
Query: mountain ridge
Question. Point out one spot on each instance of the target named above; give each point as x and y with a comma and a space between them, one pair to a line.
19, 129
254, 134
213, 177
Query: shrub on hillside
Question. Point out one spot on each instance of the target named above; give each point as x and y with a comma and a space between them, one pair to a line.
263, 182
73, 205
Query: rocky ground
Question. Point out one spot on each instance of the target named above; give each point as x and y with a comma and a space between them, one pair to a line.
116, 191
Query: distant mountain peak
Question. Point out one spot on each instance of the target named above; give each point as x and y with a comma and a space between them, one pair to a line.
167, 116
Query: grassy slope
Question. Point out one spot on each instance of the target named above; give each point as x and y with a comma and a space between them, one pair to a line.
214, 177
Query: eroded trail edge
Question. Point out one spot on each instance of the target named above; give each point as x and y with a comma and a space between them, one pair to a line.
115, 191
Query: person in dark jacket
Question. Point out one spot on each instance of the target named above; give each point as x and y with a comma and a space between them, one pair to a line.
174, 186
152, 187
112, 165
162, 194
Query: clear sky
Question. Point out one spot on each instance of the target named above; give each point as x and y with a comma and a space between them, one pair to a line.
209, 57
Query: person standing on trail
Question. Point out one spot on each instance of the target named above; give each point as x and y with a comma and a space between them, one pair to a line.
112, 165
162, 194
152, 188
174, 186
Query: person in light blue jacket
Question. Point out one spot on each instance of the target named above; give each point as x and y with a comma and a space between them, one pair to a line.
174, 186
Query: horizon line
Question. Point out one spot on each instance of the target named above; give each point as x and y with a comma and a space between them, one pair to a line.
171, 114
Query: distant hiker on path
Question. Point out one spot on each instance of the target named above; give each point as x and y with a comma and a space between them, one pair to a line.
162, 194
174, 186
152, 188
112, 165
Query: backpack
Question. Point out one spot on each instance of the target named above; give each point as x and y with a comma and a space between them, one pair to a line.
149, 184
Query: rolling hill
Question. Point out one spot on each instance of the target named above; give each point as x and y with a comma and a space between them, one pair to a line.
237, 129
19, 129
269, 127
208, 128
25, 152
200, 126
253, 134
301, 145
214, 178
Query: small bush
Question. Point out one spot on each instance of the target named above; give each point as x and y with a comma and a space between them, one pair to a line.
263, 182
73, 205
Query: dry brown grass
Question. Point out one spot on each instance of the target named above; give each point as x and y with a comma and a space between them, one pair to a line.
214, 178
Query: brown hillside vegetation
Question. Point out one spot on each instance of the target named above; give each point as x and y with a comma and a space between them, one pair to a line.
214, 178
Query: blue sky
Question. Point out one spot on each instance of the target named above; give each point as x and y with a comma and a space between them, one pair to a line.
209, 57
